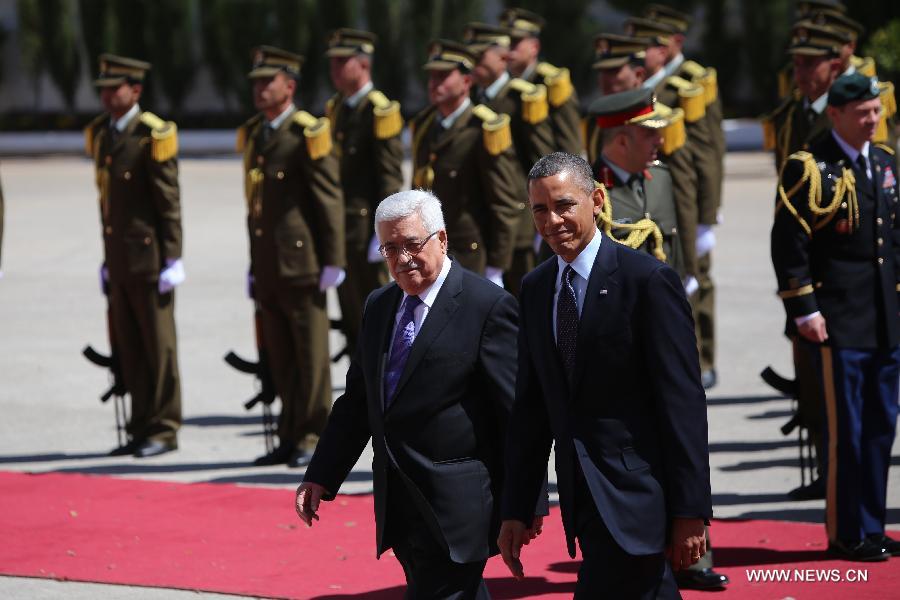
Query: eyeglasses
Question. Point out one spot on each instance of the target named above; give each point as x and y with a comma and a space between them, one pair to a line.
410, 247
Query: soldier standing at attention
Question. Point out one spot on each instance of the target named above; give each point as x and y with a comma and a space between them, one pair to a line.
366, 127
532, 134
296, 225
465, 154
836, 254
135, 159
525, 49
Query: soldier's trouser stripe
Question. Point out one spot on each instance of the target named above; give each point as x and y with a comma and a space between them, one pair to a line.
831, 418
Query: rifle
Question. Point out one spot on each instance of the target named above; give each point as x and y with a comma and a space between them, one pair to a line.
790, 388
261, 370
117, 389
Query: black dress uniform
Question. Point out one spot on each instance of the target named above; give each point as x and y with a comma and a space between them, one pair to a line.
366, 131
836, 251
140, 209
295, 221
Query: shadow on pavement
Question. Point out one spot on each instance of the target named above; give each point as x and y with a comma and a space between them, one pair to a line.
802, 515
772, 414
732, 499
53, 456
752, 446
728, 400
222, 420
289, 476
135, 468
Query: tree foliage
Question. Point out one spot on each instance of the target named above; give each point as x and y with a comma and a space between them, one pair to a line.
49, 43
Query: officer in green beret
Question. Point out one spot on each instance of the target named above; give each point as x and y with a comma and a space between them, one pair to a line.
135, 162
524, 63
836, 252
366, 126
532, 133
295, 220
465, 154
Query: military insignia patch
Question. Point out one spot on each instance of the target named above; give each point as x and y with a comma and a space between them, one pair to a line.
889, 179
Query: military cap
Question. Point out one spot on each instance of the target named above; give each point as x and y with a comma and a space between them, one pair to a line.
659, 33
446, 55
809, 39
839, 21
634, 107
853, 87
523, 23
612, 51
350, 42
481, 36
116, 70
268, 61
666, 14
805, 7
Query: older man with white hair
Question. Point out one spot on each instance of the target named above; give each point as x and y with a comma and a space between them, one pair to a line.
432, 383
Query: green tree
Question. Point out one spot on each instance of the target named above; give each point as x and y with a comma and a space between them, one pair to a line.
391, 64
169, 39
49, 44
884, 47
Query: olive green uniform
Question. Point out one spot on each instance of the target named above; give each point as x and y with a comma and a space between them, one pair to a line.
296, 225
140, 211
564, 108
367, 142
792, 126
473, 169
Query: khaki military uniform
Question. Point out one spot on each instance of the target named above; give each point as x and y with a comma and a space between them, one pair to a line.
564, 108
533, 138
296, 224
792, 126
140, 211
473, 169
367, 142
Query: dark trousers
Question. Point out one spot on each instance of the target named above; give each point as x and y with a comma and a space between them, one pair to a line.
861, 390
606, 570
430, 573
295, 335
143, 325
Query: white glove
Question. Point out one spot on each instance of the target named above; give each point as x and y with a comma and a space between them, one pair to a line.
537, 243
331, 277
104, 279
373, 255
171, 276
494, 275
706, 240
691, 285
251, 286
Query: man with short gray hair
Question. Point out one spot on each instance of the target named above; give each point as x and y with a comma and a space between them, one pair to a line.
431, 382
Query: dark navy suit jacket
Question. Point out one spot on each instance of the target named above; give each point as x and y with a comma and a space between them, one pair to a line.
634, 420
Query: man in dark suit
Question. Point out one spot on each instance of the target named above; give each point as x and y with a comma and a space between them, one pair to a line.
432, 383
608, 370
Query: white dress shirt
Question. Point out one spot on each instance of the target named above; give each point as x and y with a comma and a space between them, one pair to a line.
853, 154
427, 297
122, 122
277, 121
672, 66
492, 90
582, 266
448, 121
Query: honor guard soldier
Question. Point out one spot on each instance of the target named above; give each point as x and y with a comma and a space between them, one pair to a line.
532, 133
619, 63
804, 12
465, 154
525, 49
836, 254
640, 207
135, 160
366, 127
693, 97
296, 226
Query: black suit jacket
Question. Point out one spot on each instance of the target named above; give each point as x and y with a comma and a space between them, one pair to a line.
444, 430
634, 420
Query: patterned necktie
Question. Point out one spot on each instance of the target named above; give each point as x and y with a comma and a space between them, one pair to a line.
567, 322
403, 341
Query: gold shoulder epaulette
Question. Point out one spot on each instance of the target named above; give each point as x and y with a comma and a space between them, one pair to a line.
329, 106
545, 69
388, 120
674, 135
691, 98
534, 100
317, 133
89, 132
693, 69
886, 148
243, 133
785, 82
865, 65
559, 87
710, 83
888, 110
163, 137
495, 129
770, 134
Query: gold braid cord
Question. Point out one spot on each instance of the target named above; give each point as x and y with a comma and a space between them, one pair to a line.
637, 232
844, 186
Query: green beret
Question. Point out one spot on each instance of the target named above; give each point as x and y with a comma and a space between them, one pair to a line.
851, 88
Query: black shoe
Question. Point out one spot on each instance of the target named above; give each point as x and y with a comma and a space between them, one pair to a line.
859, 551
125, 450
278, 456
709, 379
813, 491
700, 579
154, 448
300, 458
891, 545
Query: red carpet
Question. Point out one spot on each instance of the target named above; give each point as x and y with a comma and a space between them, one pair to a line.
240, 540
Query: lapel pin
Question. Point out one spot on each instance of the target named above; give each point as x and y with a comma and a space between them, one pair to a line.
604, 291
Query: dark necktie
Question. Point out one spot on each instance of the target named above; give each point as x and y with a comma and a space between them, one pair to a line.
811, 115
265, 134
567, 322
861, 167
403, 341
113, 134
636, 183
